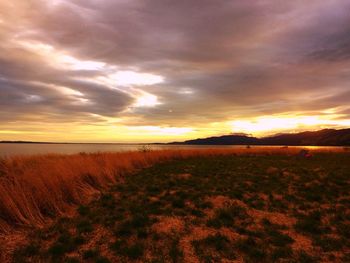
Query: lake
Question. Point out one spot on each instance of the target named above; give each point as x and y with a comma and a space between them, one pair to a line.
10, 149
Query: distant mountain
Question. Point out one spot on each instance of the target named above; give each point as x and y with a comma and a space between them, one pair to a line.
223, 140
326, 137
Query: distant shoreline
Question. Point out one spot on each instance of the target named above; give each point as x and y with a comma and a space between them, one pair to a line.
170, 144
30, 142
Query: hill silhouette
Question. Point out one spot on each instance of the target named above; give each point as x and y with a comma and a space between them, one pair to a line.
325, 137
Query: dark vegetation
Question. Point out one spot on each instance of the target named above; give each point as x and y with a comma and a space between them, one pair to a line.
272, 208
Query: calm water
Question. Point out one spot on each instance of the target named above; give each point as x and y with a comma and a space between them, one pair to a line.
9, 149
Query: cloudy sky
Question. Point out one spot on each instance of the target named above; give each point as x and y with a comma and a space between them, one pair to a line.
161, 70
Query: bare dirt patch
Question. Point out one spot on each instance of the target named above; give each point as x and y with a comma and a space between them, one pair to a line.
273, 217
168, 225
184, 176
272, 170
301, 242
195, 233
221, 201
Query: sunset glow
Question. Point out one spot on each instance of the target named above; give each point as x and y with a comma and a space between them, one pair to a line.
267, 125
108, 71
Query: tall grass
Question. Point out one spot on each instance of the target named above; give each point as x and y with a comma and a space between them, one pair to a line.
36, 188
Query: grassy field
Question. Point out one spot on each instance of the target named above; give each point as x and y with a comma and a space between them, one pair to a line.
36, 188
225, 208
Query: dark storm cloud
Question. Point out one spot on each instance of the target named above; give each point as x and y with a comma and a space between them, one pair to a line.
220, 59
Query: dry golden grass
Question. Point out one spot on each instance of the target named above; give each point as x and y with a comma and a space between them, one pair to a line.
36, 188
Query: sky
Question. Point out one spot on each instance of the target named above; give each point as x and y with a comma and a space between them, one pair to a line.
161, 70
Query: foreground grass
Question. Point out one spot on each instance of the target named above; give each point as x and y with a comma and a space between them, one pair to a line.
272, 208
36, 188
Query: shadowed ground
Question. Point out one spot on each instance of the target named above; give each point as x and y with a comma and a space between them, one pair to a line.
234, 208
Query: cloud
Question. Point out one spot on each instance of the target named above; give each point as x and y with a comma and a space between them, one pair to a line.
189, 63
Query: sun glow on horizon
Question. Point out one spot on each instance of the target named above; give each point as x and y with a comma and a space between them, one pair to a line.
266, 125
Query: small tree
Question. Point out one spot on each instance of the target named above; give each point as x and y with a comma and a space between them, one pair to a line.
145, 148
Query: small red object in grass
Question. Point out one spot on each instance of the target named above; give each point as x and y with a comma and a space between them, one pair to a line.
305, 153
308, 155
